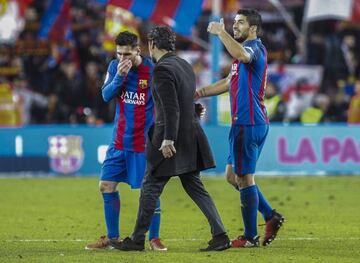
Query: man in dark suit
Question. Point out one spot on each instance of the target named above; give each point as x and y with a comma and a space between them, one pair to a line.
176, 144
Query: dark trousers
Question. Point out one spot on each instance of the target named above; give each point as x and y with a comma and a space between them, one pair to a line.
152, 188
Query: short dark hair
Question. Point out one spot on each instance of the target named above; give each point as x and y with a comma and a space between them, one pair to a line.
163, 38
126, 38
253, 17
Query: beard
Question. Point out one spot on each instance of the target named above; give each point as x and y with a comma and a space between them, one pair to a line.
242, 37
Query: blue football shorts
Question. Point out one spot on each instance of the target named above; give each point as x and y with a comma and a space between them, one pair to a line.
124, 166
246, 143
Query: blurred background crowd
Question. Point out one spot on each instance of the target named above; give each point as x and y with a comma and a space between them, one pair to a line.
313, 72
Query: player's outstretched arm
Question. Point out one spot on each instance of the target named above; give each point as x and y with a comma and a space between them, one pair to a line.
217, 88
236, 50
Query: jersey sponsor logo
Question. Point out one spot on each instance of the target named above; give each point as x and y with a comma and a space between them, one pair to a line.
143, 83
65, 153
131, 97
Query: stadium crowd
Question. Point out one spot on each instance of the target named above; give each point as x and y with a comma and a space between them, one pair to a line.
46, 82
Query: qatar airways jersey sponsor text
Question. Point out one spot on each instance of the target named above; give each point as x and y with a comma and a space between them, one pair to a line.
131, 97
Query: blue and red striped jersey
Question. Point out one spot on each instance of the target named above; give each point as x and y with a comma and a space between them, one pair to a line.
247, 88
134, 105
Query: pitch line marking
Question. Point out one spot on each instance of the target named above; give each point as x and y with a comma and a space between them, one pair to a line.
189, 239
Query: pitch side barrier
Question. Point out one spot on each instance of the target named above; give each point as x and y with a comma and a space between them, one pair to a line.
79, 150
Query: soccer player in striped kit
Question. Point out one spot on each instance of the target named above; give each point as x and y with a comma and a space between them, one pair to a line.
127, 81
246, 84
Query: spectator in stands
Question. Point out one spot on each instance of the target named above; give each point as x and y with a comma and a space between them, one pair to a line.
275, 106
349, 60
338, 107
298, 102
69, 86
316, 113
33, 105
93, 99
57, 111
300, 56
354, 108
8, 109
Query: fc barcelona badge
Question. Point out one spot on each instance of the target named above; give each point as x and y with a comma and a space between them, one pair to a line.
65, 153
143, 83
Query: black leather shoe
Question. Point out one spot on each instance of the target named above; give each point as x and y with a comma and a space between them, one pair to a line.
218, 243
128, 245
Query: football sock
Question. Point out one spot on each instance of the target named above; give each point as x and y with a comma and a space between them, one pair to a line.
264, 206
249, 207
155, 222
112, 213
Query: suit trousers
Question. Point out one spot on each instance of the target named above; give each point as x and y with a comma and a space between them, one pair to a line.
151, 190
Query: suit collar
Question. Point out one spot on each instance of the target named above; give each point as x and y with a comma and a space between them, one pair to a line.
169, 54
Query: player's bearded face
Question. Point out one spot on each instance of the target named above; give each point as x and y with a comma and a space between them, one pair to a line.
241, 28
127, 52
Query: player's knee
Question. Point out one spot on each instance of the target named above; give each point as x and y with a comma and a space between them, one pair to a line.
239, 181
245, 180
107, 187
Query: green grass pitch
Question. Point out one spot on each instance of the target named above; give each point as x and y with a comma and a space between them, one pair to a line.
52, 219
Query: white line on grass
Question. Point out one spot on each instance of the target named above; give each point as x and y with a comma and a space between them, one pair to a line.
188, 239
48, 240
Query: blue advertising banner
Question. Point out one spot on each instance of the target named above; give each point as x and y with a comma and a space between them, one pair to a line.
80, 150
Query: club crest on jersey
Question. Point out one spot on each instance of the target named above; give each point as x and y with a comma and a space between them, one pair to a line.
65, 153
143, 83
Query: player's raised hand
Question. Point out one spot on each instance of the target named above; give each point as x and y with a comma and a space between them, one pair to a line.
216, 27
124, 67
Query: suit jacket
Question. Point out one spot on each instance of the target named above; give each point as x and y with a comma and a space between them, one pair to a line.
173, 87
